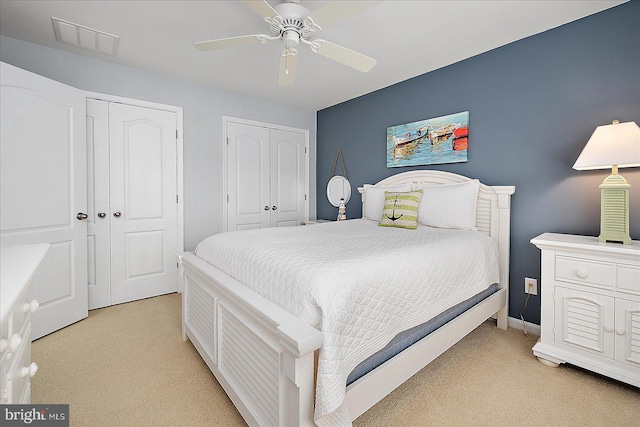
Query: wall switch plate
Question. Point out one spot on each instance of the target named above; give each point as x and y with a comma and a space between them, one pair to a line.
530, 286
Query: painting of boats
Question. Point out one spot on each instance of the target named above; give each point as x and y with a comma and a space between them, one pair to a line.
439, 140
413, 136
460, 138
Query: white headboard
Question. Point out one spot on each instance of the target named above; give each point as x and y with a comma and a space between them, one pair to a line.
493, 212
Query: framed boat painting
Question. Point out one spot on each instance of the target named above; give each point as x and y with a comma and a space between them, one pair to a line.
428, 142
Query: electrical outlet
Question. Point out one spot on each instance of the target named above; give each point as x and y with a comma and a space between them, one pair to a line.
530, 286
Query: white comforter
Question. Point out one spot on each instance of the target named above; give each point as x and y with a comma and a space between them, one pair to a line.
359, 284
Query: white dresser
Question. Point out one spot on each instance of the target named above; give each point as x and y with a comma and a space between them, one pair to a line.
17, 266
590, 307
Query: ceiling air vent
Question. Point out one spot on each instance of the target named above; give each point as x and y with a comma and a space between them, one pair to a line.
85, 37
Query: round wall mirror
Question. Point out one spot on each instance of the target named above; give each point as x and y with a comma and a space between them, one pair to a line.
337, 188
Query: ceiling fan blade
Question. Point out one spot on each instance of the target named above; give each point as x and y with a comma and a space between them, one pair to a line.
343, 55
229, 42
261, 7
288, 62
339, 9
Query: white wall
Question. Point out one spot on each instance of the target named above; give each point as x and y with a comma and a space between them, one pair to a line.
203, 110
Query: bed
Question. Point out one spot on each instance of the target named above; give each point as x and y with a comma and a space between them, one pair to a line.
266, 333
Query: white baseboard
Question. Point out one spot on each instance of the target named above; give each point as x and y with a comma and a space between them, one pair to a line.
532, 328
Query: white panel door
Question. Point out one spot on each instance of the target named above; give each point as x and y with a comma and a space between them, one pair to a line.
266, 177
98, 222
287, 169
44, 187
249, 203
143, 205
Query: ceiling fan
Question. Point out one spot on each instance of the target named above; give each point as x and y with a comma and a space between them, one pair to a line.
295, 24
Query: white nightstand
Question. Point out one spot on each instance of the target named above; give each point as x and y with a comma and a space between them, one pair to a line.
590, 307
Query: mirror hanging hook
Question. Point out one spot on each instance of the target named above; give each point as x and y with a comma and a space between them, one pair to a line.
344, 170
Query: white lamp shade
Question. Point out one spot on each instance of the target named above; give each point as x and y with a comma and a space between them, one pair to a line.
614, 144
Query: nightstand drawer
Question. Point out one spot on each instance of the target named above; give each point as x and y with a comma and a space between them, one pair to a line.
628, 279
592, 273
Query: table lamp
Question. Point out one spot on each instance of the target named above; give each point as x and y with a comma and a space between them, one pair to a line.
613, 146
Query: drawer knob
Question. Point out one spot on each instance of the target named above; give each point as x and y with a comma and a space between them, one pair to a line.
31, 307
581, 274
14, 343
620, 331
30, 370
608, 329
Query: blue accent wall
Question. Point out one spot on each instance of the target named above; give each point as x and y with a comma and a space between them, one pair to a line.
533, 104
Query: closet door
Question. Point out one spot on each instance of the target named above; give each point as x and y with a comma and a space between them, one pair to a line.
248, 178
132, 224
143, 202
43, 189
98, 222
266, 177
287, 178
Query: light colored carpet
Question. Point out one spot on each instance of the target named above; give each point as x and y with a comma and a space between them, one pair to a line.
127, 365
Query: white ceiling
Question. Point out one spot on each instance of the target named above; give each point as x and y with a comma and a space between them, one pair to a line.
408, 38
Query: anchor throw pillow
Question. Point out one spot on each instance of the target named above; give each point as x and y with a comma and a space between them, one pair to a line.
401, 209
373, 199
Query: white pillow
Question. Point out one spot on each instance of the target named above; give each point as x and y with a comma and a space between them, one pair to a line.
449, 205
374, 199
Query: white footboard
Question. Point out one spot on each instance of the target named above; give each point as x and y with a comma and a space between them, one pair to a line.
261, 355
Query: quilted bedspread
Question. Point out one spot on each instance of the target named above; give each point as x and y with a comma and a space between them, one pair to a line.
359, 284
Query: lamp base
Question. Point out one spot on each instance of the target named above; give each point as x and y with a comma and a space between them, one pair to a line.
614, 209
625, 240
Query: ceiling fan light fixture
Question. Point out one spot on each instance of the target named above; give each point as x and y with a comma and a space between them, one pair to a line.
291, 39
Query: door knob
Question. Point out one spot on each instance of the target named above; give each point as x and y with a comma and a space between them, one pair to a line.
266, 208
117, 214
30, 307
274, 207
29, 371
101, 214
81, 216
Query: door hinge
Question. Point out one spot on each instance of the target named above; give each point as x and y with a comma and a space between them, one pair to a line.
227, 140
305, 197
176, 134
305, 150
176, 198
227, 198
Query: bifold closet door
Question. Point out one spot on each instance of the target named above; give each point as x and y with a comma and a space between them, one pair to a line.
134, 204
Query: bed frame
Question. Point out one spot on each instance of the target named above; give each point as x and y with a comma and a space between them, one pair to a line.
263, 356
